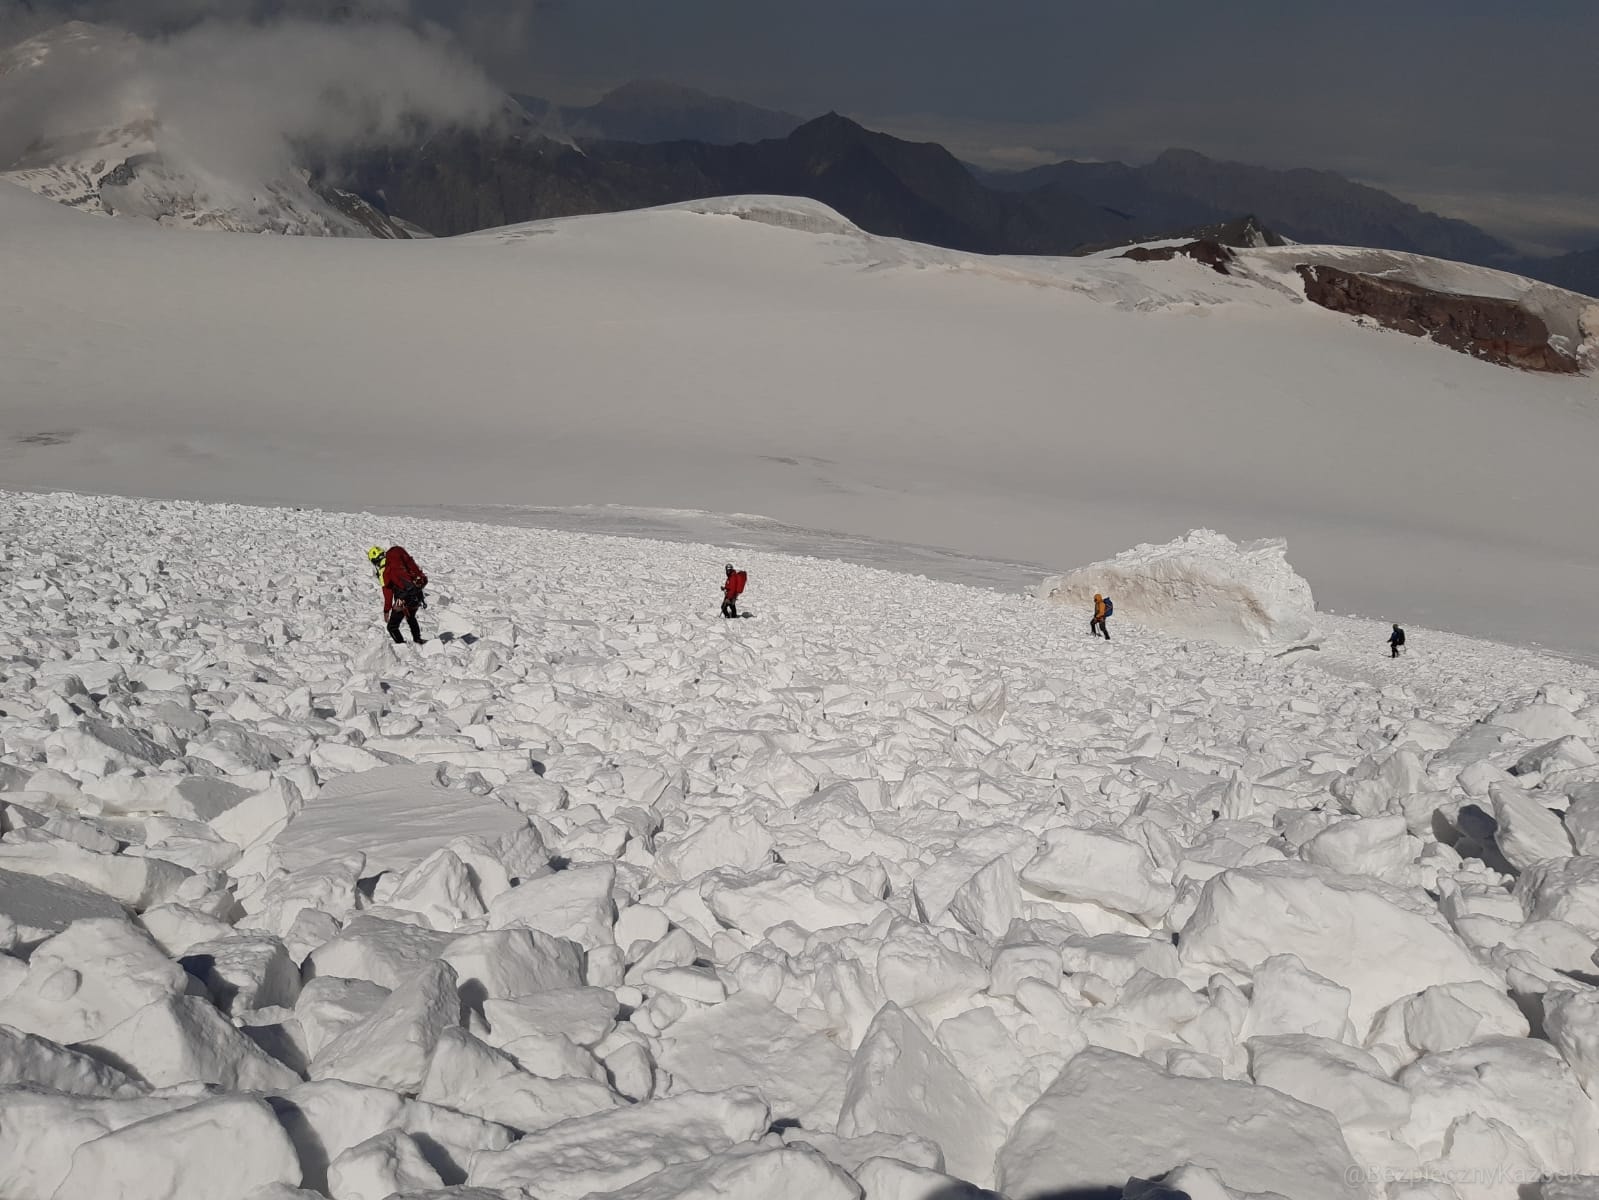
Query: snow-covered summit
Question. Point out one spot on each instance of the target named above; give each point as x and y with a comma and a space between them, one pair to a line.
82, 41
895, 885
785, 212
122, 172
117, 139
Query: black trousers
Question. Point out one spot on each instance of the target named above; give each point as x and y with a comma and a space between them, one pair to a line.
1394, 647
403, 612
1097, 627
730, 606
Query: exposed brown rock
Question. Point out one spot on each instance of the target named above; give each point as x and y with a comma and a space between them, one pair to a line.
1206, 250
1486, 327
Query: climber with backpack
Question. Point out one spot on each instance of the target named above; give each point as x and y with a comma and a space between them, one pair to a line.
732, 589
402, 582
1102, 609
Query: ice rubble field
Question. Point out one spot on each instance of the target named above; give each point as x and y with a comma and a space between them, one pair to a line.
898, 884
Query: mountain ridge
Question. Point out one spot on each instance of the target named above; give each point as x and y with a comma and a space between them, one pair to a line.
538, 160
918, 191
1304, 203
134, 167
655, 110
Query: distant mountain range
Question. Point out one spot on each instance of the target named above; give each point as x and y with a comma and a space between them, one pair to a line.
1086, 204
650, 110
1182, 187
887, 186
914, 190
651, 143
1577, 271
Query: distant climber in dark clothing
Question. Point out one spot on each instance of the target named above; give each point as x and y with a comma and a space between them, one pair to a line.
1396, 641
1102, 609
732, 589
402, 582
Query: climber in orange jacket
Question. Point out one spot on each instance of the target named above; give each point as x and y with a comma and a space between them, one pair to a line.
1102, 609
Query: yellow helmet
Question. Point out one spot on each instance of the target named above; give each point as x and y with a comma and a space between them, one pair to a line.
375, 553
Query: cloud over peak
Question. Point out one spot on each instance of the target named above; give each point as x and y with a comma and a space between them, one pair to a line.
241, 85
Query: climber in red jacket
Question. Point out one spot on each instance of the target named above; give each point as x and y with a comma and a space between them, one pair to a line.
402, 582
732, 589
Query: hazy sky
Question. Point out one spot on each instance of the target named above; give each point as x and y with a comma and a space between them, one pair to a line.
1485, 110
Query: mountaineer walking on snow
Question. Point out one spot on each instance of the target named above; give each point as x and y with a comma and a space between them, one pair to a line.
1396, 641
402, 582
732, 589
1102, 609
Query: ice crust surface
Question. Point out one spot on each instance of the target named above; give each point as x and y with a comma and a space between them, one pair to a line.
897, 889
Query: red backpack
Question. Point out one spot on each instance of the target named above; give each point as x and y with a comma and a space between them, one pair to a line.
736, 582
400, 571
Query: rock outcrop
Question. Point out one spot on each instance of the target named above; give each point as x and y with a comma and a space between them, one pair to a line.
1486, 327
1205, 250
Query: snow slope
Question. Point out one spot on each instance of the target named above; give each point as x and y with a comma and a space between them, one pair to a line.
896, 884
1031, 410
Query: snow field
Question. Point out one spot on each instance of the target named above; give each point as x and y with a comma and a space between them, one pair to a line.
897, 884
1041, 410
